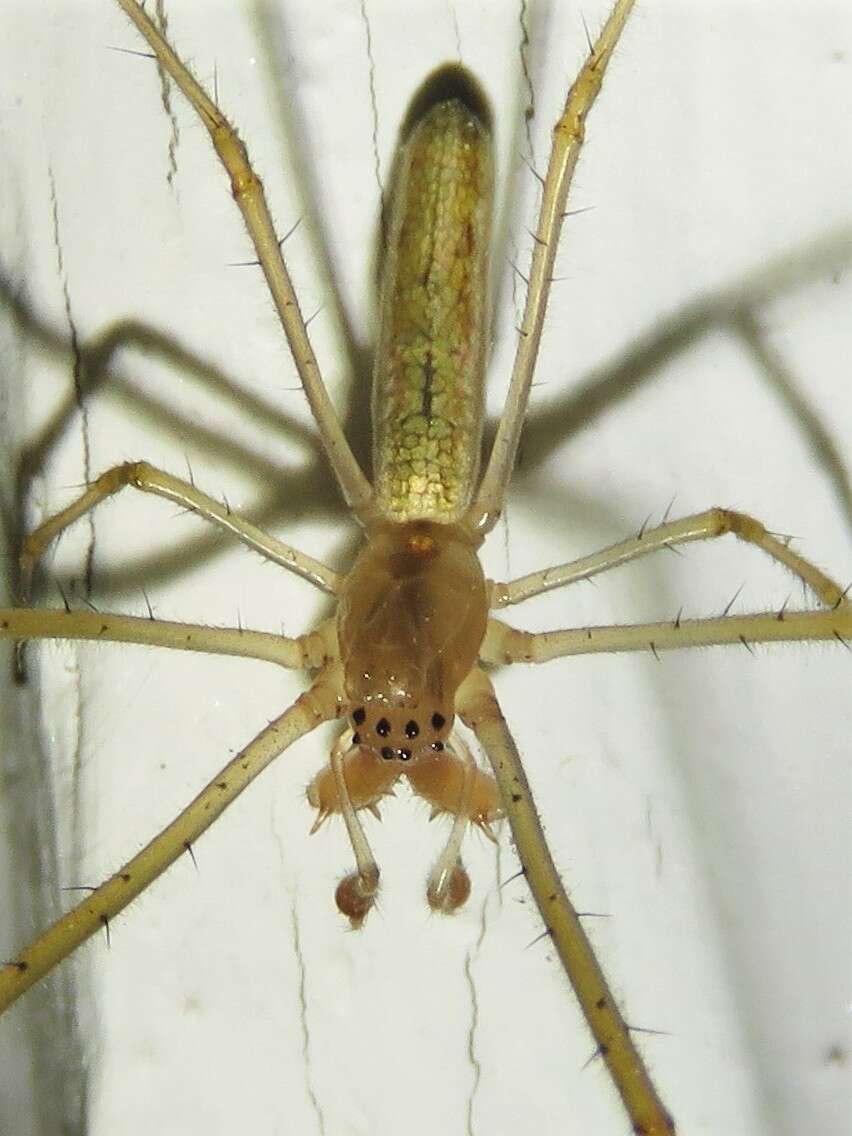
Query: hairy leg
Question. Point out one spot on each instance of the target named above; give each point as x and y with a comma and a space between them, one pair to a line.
319, 704
141, 475
708, 525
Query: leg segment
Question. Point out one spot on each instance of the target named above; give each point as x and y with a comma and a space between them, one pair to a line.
316, 705
146, 477
567, 141
311, 650
700, 526
248, 193
503, 644
479, 710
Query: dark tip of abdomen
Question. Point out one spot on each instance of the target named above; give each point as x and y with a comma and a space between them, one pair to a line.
449, 83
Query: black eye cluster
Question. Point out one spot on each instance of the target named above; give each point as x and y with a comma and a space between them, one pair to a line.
411, 730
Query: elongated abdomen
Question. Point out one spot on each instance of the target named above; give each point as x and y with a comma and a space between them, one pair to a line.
430, 360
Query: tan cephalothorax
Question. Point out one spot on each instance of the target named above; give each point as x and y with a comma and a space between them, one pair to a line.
403, 664
411, 620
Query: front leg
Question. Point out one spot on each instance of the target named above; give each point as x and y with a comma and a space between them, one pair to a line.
248, 193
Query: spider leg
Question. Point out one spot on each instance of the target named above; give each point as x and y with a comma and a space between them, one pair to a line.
318, 704
307, 651
568, 137
141, 475
248, 193
504, 644
708, 525
479, 709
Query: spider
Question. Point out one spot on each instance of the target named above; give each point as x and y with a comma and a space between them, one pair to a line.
212, 873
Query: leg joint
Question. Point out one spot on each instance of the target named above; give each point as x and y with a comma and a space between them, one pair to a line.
138, 473
740, 524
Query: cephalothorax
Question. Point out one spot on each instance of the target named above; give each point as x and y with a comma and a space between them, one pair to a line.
410, 625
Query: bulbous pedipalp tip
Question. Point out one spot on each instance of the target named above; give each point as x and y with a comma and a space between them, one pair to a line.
355, 898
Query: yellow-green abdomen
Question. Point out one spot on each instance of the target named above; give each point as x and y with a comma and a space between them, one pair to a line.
428, 383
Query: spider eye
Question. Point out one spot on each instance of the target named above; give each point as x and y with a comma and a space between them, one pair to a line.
383, 727
387, 753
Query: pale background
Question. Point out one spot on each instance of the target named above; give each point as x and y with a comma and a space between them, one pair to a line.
701, 802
